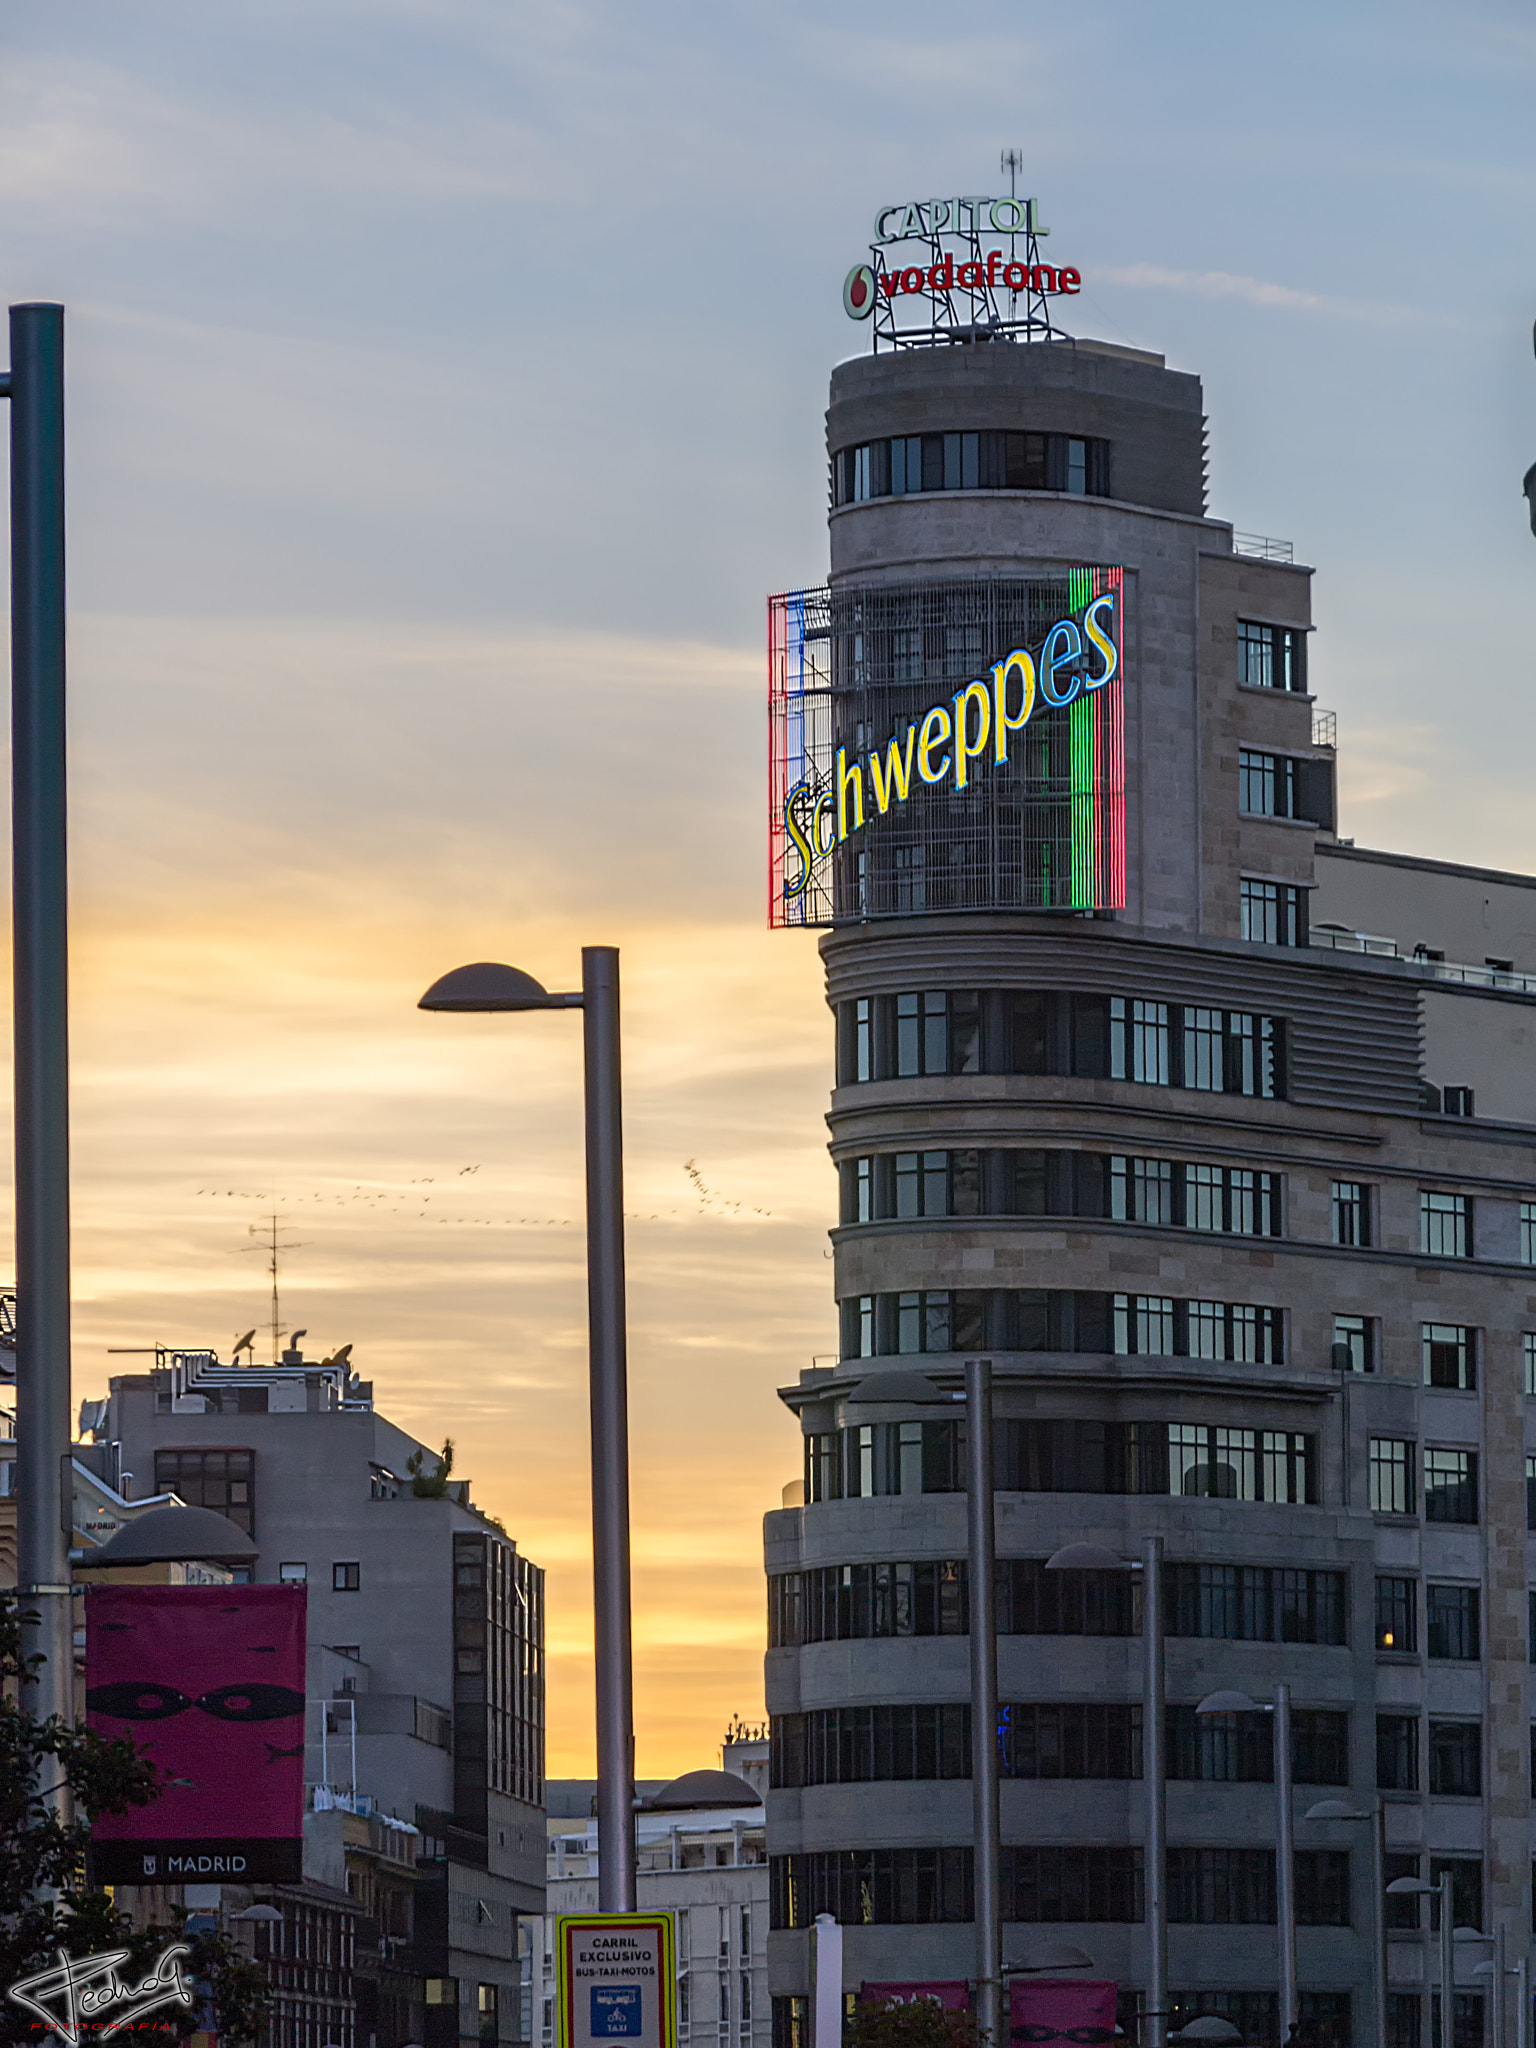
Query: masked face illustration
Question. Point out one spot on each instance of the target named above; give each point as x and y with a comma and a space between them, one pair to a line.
208, 1681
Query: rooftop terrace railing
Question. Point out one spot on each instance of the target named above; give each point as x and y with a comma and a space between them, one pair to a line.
1262, 548
1339, 939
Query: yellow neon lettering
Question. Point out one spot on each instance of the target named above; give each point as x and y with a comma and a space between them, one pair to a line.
847, 776
1101, 640
935, 732
977, 694
1002, 724
802, 844
893, 776
824, 813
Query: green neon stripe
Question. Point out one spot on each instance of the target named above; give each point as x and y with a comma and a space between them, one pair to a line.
1080, 724
1079, 588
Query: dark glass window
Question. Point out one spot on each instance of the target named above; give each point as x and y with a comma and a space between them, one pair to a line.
1451, 1623
1450, 1486
1397, 1614
1456, 1759
1236, 1887
1448, 1356
1076, 1886
1034, 1602
1254, 1603
1273, 913
1445, 1224
1391, 1476
346, 1578
1239, 1748
985, 460
854, 1602
871, 1887
1397, 1752
1066, 1740
222, 1480
1353, 1346
869, 1745
1266, 784
1351, 1212
1271, 657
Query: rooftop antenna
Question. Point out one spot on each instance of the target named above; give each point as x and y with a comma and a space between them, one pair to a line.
1012, 161
272, 1245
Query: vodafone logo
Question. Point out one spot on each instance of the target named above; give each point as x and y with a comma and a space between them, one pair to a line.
859, 292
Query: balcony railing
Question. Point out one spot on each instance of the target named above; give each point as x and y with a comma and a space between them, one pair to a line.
1339, 939
1325, 728
1262, 548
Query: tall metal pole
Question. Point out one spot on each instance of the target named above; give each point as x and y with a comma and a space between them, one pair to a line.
1523, 2010
984, 1774
1379, 1890
610, 1433
1500, 1989
1154, 1764
41, 925
1447, 1964
1285, 1861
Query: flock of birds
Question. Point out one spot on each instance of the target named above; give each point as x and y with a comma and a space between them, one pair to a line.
398, 1200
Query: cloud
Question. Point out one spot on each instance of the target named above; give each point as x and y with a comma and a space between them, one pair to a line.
1257, 291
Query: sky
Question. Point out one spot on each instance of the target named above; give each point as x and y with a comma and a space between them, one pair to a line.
446, 383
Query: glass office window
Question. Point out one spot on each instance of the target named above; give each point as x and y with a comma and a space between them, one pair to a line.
1445, 1224
1351, 1213
1391, 1476
1448, 1359
1450, 1485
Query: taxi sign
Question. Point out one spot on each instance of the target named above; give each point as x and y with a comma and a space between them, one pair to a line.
617, 1979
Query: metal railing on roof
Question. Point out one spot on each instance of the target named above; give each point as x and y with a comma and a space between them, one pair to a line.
1325, 728
1339, 939
1262, 548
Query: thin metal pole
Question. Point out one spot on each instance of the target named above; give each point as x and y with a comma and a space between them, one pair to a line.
610, 1433
1154, 1764
1285, 1861
1447, 1965
1379, 1882
1500, 1994
1523, 2011
984, 1773
41, 924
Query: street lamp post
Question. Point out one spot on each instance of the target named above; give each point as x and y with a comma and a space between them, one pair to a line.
1285, 1833
490, 986
980, 1512
1093, 1557
1420, 1888
1339, 1809
40, 910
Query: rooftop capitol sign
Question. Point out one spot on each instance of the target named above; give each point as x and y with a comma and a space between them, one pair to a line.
968, 220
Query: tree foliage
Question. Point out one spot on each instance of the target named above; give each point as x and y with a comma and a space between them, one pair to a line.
910, 2023
46, 1905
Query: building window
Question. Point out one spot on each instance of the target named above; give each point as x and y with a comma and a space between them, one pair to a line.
487, 2002
1530, 1490
1459, 1102
1239, 1749
1252, 1603
346, 1578
864, 1047
1273, 913
1530, 1361
871, 1887
292, 1574
1448, 1359
1351, 1213
1456, 1759
1271, 657
1236, 1887
1450, 1486
1266, 784
1445, 1225
1452, 1623
1528, 1233
1353, 1350
979, 460
1397, 1615
1391, 1476
222, 1480
1397, 1752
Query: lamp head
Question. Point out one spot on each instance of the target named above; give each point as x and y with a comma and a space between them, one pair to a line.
1404, 1886
1086, 1557
488, 985
1334, 1809
1228, 1703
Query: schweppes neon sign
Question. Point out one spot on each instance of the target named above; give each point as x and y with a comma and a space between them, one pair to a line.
956, 741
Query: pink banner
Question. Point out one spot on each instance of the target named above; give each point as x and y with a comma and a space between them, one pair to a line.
954, 1997
209, 1682
1050, 2009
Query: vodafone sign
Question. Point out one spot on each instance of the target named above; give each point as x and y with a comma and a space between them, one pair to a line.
931, 272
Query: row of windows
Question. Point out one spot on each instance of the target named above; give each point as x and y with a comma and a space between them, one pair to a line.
1229, 1602
922, 1320
1197, 1460
902, 1186
1455, 1756
1040, 1031
1072, 1885
1324, 2017
1041, 1740
898, 466
1449, 1476
1285, 786
1452, 1619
